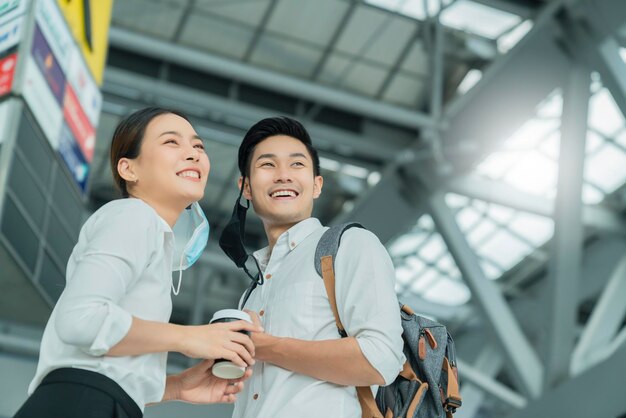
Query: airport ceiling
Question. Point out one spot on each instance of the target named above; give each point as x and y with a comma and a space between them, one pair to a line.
360, 74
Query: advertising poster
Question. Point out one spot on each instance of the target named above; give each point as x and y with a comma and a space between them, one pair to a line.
7, 70
9, 9
55, 31
89, 22
79, 124
73, 158
86, 89
42, 103
4, 116
10, 34
48, 65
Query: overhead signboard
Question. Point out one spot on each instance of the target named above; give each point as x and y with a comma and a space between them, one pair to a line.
7, 71
42, 103
55, 31
10, 33
89, 21
79, 124
48, 65
4, 117
73, 158
86, 89
10, 9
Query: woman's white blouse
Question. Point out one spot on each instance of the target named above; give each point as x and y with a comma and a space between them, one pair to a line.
121, 267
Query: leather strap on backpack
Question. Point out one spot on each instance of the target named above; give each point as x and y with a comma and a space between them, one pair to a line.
453, 400
366, 399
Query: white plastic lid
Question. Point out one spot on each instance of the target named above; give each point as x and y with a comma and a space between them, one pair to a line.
227, 370
231, 313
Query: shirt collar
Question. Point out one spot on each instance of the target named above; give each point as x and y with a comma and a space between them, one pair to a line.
163, 226
291, 238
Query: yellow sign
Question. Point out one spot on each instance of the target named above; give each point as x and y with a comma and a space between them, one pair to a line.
89, 21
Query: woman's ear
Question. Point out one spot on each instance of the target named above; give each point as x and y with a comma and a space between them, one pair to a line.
245, 183
125, 170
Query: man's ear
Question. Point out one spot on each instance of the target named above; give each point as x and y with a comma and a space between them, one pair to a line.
318, 182
126, 170
246, 187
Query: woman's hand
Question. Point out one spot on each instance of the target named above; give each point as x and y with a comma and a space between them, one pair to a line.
220, 341
198, 385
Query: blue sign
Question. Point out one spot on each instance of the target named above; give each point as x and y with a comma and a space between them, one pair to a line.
48, 65
73, 158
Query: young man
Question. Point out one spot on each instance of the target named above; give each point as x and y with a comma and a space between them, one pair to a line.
304, 368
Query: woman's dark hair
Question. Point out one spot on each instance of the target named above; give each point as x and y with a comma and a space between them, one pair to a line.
128, 136
271, 127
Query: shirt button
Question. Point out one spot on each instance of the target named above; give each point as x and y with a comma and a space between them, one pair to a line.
268, 276
293, 244
262, 312
256, 396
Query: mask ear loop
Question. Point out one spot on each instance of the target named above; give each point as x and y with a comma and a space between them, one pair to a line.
180, 276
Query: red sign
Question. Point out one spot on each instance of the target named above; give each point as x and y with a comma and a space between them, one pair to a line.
7, 69
79, 123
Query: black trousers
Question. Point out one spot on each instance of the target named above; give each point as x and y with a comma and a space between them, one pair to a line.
77, 393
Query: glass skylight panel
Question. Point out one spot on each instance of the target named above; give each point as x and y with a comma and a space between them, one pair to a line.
481, 232
604, 115
491, 270
472, 77
412, 8
508, 40
504, 249
533, 173
533, 228
606, 168
448, 292
528, 160
433, 249
407, 244
479, 19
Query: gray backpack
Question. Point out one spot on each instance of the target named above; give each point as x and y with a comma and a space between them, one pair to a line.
427, 386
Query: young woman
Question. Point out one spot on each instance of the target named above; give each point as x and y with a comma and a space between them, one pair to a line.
104, 349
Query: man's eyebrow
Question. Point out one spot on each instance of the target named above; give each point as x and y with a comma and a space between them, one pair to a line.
266, 156
298, 154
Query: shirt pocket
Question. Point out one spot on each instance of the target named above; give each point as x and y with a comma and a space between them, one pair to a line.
301, 310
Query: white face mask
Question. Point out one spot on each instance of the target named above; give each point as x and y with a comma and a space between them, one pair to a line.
191, 234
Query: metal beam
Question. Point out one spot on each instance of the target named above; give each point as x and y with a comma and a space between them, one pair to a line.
489, 362
192, 58
533, 43
132, 86
604, 323
490, 386
598, 217
565, 266
526, 367
598, 392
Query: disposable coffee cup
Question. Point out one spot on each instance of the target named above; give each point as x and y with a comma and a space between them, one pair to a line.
223, 368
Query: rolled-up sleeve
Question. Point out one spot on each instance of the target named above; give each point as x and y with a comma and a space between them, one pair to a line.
112, 253
367, 302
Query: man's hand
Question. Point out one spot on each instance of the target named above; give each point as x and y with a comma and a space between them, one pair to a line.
198, 385
263, 342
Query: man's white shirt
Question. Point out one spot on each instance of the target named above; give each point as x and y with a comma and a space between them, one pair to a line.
293, 303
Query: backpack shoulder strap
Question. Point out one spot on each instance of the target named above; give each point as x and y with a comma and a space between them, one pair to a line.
329, 243
325, 255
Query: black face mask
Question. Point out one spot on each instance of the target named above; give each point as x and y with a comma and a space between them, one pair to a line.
231, 242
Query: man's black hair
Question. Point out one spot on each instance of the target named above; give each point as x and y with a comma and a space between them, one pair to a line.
280, 125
